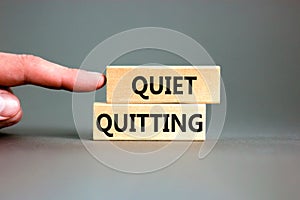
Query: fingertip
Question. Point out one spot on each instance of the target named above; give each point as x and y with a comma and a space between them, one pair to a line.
9, 106
11, 120
84, 81
102, 81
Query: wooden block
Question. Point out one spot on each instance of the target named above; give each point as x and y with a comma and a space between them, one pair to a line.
163, 84
149, 121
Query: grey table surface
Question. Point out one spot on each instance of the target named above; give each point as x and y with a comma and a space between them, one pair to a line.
51, 164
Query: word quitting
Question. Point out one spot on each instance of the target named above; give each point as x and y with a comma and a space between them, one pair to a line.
149, 121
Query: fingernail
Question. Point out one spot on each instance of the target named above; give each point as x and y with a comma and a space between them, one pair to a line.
95, 77
88, 81
2, 104
102, 81
8, 106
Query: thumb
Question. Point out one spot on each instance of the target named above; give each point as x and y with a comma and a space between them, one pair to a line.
10, 109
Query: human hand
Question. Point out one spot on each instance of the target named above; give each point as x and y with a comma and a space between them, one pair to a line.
27, 69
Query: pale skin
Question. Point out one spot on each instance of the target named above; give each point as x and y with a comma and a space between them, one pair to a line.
18, 70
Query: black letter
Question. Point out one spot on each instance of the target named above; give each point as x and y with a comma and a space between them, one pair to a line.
166, 126
190, 79
155, 116
117, 123
160, 87
176, 84
199, 129
109, 123
141, 93
168, 85
132, 126
182, 125
142, 116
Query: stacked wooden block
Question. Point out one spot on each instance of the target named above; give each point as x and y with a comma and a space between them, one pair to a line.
156, 102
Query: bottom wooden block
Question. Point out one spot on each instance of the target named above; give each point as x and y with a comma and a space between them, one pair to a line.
149, 121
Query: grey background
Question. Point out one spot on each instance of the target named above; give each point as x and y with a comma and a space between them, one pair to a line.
257, 43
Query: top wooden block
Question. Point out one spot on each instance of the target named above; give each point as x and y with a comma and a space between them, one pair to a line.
163, 84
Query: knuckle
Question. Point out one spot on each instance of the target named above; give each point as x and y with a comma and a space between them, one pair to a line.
28, 59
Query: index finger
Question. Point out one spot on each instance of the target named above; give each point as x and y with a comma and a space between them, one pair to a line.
28, 69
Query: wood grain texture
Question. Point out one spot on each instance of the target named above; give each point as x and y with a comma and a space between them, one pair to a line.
121, 81
157, 126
